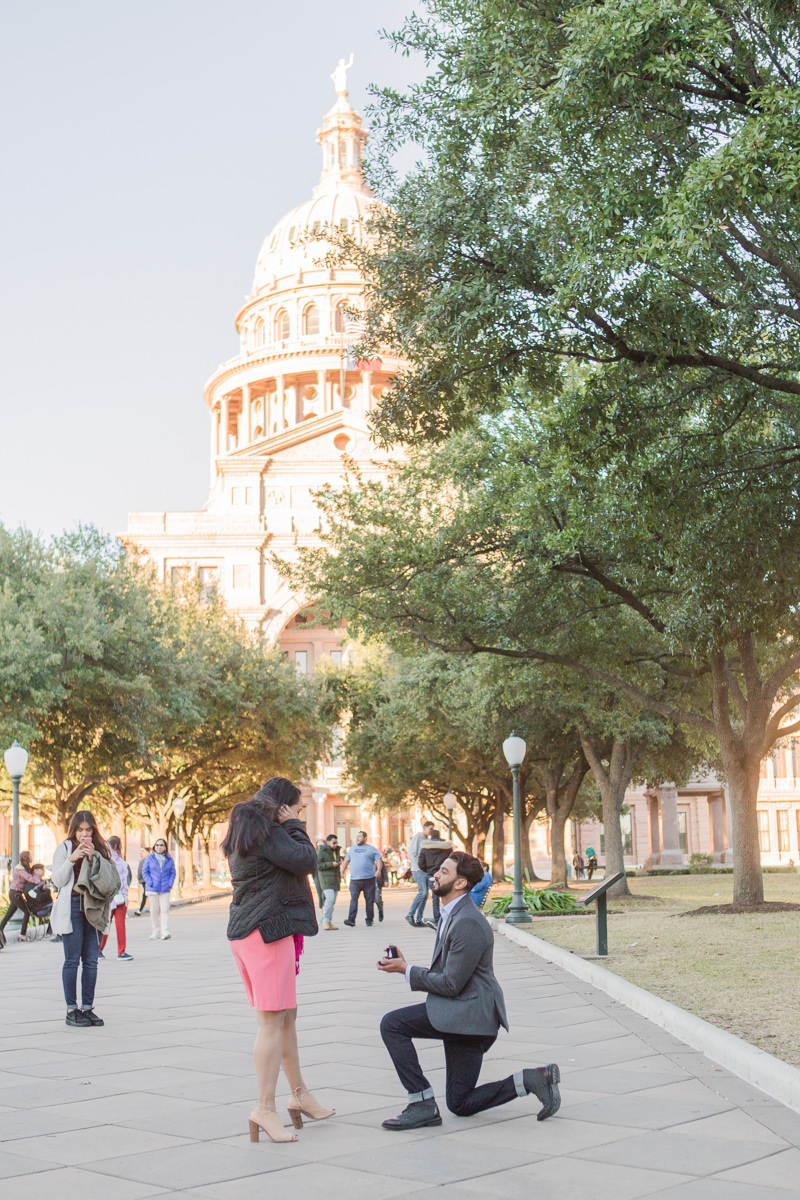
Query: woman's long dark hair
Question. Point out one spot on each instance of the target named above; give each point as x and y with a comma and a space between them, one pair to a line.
25, 861
78, 818
251, 821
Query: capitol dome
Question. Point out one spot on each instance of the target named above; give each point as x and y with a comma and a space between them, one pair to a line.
341, 200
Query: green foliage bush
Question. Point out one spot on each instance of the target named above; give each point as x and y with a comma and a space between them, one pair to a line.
545, 900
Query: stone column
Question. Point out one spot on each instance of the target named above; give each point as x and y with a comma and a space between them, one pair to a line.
226, 416
716, 820
214, 439
322, 398
671, 855
280, 402
366, 387
654, 856
247, 414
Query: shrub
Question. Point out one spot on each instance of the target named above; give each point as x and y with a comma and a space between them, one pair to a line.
544, 900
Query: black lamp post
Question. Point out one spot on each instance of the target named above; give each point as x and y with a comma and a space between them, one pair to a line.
514, 749
16, 759
450, 803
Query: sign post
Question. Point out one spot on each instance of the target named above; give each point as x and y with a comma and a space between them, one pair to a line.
600, 895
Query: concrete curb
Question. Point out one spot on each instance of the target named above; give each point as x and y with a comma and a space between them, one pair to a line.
764, 1071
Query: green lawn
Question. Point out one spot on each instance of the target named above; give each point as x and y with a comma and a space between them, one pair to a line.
740, 972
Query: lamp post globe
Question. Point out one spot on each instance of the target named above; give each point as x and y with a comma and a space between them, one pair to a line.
449, 803
514, 749
16, 760
178, 809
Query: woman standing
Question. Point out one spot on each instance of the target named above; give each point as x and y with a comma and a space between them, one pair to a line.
23, 873
119, 905
158, 873
80, 913
270, 858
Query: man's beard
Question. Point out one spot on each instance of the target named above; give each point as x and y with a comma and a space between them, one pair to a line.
440, 892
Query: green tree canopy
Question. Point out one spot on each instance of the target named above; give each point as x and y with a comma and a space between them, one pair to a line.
614, 185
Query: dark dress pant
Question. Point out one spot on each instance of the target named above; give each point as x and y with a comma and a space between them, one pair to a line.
367, 886
463, 1058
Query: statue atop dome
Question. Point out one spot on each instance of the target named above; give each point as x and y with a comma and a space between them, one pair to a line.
339, 75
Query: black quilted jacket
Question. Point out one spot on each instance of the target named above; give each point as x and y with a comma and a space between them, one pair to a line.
270, 888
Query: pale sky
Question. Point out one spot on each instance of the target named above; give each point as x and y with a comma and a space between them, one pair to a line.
148, 146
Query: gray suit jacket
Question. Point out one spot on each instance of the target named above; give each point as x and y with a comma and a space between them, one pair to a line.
463, 994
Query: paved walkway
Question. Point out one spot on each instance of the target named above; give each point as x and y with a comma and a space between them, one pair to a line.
156, 1103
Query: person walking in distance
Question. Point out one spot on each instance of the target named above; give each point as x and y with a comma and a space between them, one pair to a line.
432, 853
329, 874
86, 880
158, 873
270, 858
464, 1009
381, 880
364, 862
119, 905
417, 911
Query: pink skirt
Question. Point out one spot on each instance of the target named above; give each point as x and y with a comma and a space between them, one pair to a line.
268, 970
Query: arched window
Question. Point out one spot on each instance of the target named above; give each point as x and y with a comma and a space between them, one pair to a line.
311, 320
258, 333
282, 326
339, 317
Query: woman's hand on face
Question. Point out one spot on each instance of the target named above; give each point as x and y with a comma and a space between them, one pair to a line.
285, 813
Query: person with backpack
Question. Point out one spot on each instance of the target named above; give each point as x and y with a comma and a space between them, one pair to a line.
329, 874
432, 853
119, 905
158, 873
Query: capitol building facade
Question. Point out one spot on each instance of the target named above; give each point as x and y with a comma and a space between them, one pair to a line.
283, 414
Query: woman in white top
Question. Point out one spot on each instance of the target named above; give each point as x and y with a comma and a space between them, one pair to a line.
80, 939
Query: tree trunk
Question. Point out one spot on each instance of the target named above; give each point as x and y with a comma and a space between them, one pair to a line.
205, 859
528, 872
748, 881
615, 860
558, 857
480, 846
498, 838
741, 752
188, 856
612, 782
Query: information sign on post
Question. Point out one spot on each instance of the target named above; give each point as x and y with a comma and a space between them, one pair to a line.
600, 895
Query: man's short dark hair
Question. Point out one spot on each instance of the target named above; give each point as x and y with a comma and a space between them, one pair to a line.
332, 837
468, 867
425, 824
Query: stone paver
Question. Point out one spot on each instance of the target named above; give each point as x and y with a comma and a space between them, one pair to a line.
156, 1103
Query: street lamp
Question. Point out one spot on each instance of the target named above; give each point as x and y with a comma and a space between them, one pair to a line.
16, 758
178, 809
449, 803
514, 749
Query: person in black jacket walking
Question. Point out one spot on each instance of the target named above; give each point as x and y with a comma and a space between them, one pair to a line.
432, 853
270, 858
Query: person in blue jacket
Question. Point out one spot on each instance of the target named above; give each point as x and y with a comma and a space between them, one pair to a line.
158, 873
478, 893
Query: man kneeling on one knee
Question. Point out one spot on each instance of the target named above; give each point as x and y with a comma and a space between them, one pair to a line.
464, 1009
